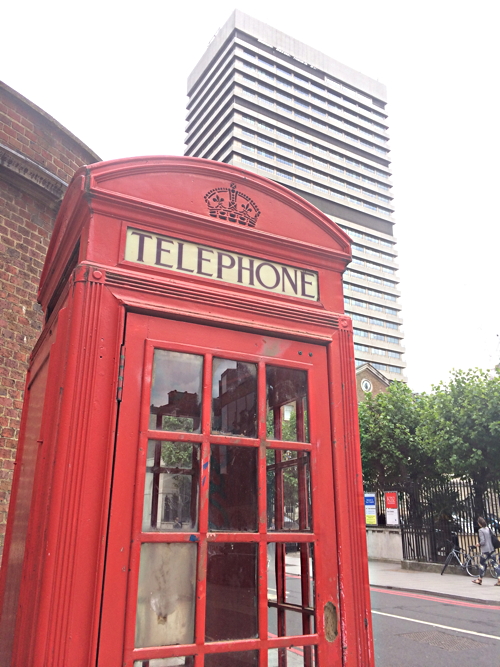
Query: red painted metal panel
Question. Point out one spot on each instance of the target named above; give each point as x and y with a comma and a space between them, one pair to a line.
174, 335
83, 545
20, 513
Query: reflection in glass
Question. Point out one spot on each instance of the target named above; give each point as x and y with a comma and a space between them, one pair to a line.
290, 598
171, 487
175, 403
287, 404
234, 398
231, 591
186, 661
288, 490
233, 488
166, 595
296, 656
235, 659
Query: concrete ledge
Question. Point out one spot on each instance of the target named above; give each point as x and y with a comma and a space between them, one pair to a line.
431, 567
384, 543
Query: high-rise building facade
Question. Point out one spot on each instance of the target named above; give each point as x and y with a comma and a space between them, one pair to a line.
265, 102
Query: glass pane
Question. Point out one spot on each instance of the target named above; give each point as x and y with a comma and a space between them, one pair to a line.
187, 661
288, 490
166, 596
287, 404
171, 488
296, 656
235, 659
290, 583
231, 591
234, 398
175, 403
233, 488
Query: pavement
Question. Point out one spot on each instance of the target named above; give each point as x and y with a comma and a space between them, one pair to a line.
385, 574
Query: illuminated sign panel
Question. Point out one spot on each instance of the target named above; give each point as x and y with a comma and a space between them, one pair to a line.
229, 267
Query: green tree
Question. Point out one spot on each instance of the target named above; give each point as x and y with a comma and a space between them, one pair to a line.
393, 452
462, 428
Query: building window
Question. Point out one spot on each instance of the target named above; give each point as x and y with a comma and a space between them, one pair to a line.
359, 318
280, 107
302, 181
264, 126
379, 367
283, 134
281, 70
302, 104
263, 152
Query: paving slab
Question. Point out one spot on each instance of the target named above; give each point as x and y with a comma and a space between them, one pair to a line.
384, 574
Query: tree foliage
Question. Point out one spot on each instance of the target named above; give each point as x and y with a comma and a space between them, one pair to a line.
462, 427
392, 450
454, 431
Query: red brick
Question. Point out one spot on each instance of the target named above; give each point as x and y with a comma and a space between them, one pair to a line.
26, 223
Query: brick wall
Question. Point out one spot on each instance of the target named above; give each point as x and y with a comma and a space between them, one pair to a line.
38, 157
379, 383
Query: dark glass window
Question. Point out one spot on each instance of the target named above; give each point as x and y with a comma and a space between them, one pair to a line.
231, 591
233, 488
171, 486
287, 404
234, 398
175, 403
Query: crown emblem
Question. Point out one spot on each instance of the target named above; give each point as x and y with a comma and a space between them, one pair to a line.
230, 204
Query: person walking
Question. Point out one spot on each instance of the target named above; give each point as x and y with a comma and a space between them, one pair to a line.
487, 552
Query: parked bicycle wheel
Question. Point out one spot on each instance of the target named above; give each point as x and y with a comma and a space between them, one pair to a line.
472, 565
447, 561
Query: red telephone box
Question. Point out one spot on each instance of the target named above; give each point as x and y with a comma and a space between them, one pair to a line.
188, 483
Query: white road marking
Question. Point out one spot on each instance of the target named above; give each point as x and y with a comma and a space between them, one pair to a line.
436, 625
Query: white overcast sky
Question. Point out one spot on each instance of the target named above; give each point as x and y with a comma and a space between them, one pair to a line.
114, 73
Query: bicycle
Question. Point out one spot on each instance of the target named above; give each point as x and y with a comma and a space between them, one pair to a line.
468, 561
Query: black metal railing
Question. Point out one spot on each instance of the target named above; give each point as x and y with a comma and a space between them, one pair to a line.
432, 516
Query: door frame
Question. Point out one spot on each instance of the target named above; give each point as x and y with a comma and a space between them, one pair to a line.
117, 588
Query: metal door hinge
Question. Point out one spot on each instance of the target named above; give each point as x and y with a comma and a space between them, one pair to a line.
121, 369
